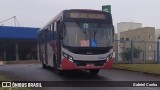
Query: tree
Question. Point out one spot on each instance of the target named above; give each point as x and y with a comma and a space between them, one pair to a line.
127, 54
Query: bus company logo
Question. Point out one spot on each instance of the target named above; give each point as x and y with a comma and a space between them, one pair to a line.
6, 84
102, 58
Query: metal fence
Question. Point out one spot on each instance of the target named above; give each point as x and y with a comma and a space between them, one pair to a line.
129, 51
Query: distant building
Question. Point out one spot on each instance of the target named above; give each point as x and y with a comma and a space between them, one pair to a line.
18, 43
125, 26
143, 38
139, 34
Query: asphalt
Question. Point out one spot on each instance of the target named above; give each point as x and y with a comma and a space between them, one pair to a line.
34, 72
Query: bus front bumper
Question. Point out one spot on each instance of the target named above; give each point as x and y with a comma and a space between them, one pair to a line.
68, 65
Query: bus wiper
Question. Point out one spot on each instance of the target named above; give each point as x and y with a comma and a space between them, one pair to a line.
96, 30
85, 33
83, 29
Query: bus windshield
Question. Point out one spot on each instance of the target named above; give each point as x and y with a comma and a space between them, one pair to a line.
87, 34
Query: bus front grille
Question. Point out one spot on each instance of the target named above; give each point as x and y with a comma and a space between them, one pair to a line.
84, 63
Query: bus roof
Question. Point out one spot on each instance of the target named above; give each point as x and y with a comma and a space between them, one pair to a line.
91, 10
76, 10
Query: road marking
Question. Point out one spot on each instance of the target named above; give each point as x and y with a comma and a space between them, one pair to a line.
151, 88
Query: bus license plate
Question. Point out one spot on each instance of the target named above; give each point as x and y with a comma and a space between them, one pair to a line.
90, 65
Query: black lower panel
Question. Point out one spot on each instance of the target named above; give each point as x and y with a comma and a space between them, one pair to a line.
84, 63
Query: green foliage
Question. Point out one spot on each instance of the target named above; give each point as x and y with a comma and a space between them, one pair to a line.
127, 54
2, 78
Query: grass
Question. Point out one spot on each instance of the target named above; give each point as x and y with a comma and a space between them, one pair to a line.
146, 68
2, 78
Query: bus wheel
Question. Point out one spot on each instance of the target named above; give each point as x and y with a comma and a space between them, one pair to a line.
60, 72
55, 66
94, 71
44, 66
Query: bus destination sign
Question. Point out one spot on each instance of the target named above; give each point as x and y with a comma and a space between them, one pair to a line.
87, 15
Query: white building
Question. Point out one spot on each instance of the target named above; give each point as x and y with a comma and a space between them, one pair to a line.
125, 26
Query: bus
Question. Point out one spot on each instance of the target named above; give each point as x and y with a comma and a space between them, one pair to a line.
77, 39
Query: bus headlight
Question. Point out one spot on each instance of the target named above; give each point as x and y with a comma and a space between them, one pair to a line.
65, 55
70, 58
109, 57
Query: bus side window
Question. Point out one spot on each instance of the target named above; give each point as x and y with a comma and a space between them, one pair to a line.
42, 36
55, 31
49, 33
52, 31
45, 35
55, 35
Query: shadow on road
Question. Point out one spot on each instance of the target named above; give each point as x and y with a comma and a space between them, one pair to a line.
78, 75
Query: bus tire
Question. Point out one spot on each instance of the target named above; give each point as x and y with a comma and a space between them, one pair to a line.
44, 66
57, 71
94, 71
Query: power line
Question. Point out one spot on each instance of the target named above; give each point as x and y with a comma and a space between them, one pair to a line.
15, 21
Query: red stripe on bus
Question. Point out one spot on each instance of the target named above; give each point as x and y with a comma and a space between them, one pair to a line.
67, 65
108, 64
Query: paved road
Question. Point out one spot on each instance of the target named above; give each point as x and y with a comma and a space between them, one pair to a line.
34, 72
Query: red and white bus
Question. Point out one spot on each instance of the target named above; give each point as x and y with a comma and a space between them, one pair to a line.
77, 39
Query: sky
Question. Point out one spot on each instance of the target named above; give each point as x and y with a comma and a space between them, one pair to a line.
36, 13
